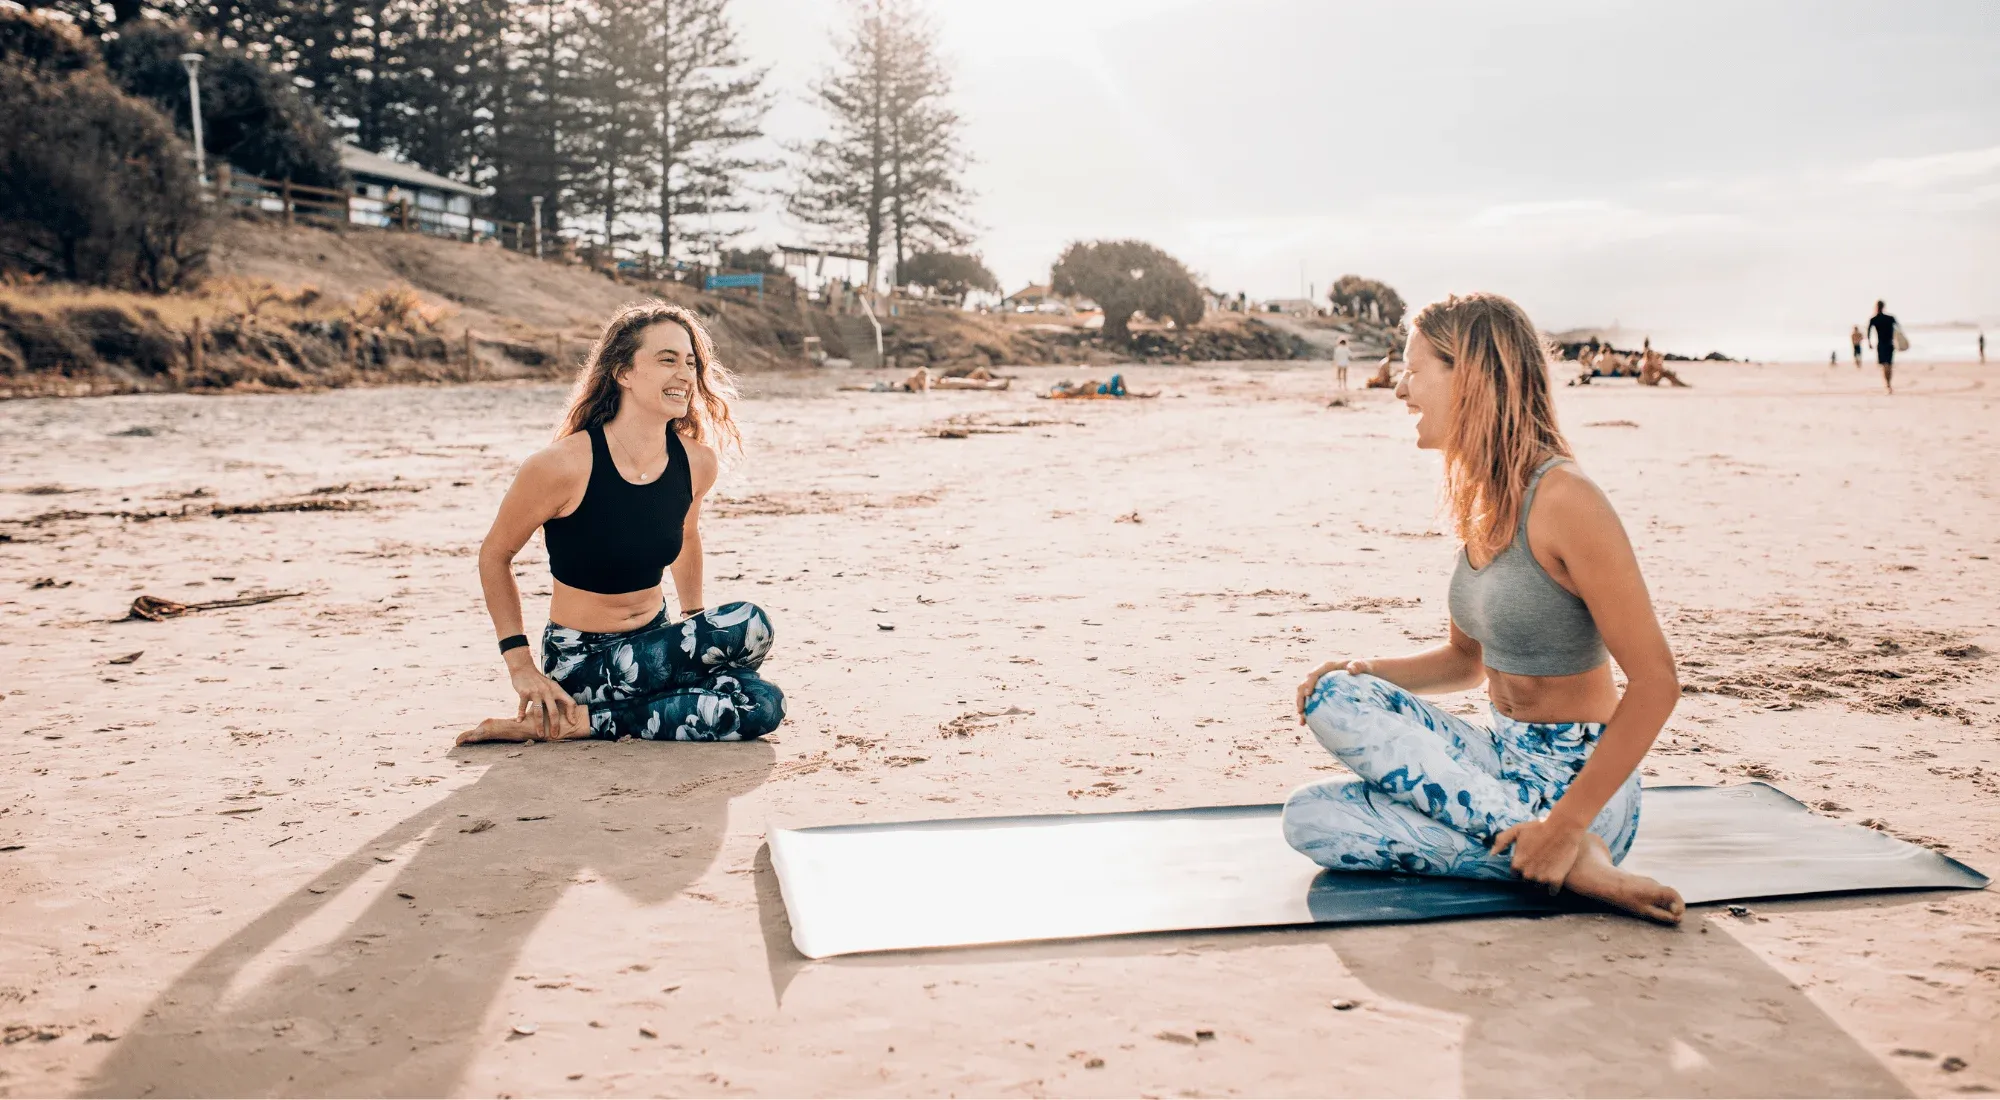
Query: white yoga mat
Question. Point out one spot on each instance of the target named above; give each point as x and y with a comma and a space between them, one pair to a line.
954, 883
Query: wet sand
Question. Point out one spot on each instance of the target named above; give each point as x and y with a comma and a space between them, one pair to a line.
250, 859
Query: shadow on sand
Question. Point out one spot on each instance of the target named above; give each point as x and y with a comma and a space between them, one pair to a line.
1593, 1005
347, 987
1575, 1004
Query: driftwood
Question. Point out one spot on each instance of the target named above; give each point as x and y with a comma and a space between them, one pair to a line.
157, 609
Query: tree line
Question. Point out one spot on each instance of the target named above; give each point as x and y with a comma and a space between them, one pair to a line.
637, 122
634, 120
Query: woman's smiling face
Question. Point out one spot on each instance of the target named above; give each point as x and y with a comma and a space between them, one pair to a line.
662, 378
1426, 390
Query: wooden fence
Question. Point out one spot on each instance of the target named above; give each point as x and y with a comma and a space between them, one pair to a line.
298, 203
294, 201
325, 206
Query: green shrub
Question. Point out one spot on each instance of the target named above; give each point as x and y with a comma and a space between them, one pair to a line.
99, 190
1353, 295
948, 273
1127, 277
48, 47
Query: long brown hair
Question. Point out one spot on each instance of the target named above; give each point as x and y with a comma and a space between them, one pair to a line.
1503, 414
595, 397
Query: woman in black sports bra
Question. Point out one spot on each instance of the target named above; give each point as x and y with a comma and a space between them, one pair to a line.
618, 498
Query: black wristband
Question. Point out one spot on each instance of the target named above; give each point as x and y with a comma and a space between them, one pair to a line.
513, 641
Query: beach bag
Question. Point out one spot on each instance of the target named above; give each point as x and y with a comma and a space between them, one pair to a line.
1902, 341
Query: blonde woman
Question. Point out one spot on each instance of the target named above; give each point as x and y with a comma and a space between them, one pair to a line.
618, 499
1546, 584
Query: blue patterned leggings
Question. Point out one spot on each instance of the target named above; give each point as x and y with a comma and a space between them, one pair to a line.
1435, 790
694, 680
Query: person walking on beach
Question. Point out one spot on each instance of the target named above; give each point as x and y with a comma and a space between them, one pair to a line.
1342, 356
1982, 347
618, 499
1882, 334
1547, 590
1854, 337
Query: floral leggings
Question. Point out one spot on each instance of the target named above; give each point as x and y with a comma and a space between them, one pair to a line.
693, 680
1435, 790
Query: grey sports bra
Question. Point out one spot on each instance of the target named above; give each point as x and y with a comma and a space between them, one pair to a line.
1527, 623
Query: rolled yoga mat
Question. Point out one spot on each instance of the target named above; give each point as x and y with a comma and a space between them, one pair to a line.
918, 884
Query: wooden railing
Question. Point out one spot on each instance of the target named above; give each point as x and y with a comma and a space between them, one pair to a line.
298, 203
294, 201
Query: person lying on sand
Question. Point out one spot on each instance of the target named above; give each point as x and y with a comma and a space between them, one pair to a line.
968, 382
1547, 587
1604, 363
1092, 388
919, 381
1383, 379
1584, 355
618, 498
1653, 368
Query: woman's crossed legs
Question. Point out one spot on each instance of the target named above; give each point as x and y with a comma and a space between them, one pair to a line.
1435, 790
693, 680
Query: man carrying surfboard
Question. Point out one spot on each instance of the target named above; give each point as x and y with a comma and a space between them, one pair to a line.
1887, 338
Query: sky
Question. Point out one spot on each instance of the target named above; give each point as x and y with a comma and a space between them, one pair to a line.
1746, 177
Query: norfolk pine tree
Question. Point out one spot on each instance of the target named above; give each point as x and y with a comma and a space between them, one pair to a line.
703, 102
891, 163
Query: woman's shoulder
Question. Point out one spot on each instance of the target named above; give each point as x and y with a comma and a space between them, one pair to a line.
1567, 480
703, 462
1568, 498
565, 460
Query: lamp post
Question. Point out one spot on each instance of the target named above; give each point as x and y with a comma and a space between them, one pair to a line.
538, 226
193, 62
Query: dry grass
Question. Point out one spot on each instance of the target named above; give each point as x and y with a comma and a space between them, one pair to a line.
297, 307
60, 339
223, 299
400, 307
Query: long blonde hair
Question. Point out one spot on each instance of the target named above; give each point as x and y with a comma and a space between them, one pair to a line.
1503, 415
595, 397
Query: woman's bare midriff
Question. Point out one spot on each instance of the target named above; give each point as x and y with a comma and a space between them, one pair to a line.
597, 613
1584, 697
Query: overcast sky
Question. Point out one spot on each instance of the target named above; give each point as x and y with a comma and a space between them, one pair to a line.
1746, 176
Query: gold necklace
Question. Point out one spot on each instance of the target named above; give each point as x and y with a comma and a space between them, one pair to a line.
633, 459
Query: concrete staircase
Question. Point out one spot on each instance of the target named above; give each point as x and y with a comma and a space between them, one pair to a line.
857, 335
1361, 344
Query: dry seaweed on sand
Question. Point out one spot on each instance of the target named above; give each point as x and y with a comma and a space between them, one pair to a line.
158, 609
307, 503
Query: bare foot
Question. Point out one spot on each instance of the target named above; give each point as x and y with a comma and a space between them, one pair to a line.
1595, 876
529, 729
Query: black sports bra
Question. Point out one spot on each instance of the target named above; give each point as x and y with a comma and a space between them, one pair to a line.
622, 536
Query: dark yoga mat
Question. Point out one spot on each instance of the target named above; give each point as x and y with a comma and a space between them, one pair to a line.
855, 888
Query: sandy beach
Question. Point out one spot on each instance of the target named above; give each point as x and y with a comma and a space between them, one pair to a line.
239, 854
